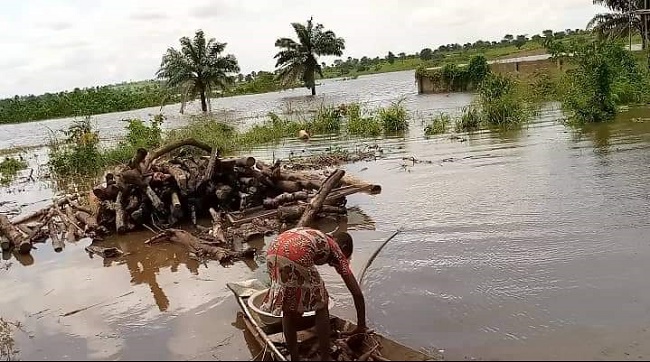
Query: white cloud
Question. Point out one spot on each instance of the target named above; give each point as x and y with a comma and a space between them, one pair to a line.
61, 44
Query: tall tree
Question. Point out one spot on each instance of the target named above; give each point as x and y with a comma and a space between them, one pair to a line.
390, 57
298, 60
620, 21
520, 41
198, 68
426, 54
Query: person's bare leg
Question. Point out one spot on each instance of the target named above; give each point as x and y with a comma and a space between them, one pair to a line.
289, 320
323, 331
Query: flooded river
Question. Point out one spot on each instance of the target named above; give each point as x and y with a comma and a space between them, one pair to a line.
531, 244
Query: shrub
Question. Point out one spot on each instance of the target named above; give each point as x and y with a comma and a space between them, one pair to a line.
394, 117
438, 125
359, 125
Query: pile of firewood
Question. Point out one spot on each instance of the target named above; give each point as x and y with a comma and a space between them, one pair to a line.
243, 197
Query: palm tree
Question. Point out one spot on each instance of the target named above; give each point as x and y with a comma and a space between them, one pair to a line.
621, 21
198, 68
298, 60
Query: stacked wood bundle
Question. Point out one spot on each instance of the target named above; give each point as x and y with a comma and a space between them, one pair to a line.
243, 197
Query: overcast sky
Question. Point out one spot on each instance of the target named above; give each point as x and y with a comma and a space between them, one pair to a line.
53, 45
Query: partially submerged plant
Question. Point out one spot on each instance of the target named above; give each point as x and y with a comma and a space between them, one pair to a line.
9, 168
394, 117
437, 125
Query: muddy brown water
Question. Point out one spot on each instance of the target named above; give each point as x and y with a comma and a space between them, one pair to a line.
529, 244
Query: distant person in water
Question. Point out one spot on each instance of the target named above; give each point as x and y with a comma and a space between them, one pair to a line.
296, 286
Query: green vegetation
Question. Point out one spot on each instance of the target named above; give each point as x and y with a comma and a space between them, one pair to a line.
470, 119
9, 168
621, 21
603, 75
438, 125
509, 46
198, 68
81, 154
299, 60
82, 102
458, 78
218, 81
501, 104
361, 125
394, 117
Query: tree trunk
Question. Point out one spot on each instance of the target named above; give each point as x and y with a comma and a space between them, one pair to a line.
313, 90
204, 105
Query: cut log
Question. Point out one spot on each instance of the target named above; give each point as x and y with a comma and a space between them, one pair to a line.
249, 181
176, 207
316, 203
120, 217
350, 180
87, 219
172, 146
73, 227
214, 161
57, 243
180, 176
288, 186
137, 162
10, 232
292, 213
5, 244
32, 215
71, 231
195, 245
38, 213
193, 213
223, 192
229, 163
285, 198
111, 252
155, 200
76, 206
217, 230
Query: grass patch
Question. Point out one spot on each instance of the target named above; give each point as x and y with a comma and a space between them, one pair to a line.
438, 125
470, 119
328, 120
9, 168
501, 103
359, 125
80, 153
394, 117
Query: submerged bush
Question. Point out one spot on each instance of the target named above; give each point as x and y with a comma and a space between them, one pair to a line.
328, 120
470, 119
501, 104
604, 75
359, 125
394, 117
437, 125
9, 168
139, 135
208, 130
79, 152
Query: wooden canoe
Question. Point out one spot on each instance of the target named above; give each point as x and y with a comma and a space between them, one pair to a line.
266, 340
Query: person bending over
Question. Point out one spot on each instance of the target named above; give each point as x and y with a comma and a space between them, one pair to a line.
296, 286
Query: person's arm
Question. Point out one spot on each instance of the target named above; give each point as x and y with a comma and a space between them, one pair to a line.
359, 301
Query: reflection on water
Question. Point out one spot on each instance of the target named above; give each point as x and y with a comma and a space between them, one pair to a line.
516, 244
